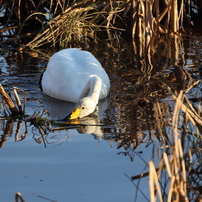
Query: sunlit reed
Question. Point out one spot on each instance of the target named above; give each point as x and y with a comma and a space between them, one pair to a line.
61, 22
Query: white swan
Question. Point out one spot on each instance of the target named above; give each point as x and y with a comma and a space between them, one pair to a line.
77, 76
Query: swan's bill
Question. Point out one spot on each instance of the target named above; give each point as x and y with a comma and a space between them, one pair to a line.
74, 122
75, 114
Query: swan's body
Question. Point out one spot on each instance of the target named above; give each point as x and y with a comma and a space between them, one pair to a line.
76, 76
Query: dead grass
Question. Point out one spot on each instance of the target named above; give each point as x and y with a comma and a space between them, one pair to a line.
9, 106
61, 22
176, 162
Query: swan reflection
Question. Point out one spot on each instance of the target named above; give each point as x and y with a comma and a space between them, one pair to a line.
59, 109
88, 125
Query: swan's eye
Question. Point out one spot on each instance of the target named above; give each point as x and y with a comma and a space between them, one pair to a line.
83, 107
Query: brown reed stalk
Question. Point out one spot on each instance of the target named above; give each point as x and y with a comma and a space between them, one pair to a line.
174, 16
8, 101
153, 183
18, 197
18, 101
175, 167
174, 162
17, 109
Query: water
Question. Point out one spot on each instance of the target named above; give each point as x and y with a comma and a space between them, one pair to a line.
93, 163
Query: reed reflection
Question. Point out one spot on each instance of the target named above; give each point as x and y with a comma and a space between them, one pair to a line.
46, 126
12, 127
153, 105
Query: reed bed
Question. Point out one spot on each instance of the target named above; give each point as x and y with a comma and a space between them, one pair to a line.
174, 170
159, 109
57, 33
177, 162
38, 23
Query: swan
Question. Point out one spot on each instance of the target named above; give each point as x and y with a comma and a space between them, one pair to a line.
77, 76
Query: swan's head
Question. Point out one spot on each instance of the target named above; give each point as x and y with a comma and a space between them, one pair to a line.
84, 107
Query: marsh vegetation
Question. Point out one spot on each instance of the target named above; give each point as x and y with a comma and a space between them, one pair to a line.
152, 52
37, 23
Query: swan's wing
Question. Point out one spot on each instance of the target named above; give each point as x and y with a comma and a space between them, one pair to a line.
67, 73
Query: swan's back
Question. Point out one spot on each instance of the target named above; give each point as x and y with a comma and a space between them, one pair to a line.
67, 73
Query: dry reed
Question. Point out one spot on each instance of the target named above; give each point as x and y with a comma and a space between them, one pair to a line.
174, 162
8, 104
61, 22
18, 197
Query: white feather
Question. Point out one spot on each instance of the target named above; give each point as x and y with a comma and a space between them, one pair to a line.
73, 74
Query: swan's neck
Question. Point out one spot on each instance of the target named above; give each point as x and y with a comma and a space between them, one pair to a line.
92, 89
95, 88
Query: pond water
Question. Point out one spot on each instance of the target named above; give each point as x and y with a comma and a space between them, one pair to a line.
94, 163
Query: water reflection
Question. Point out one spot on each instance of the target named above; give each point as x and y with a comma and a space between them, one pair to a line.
88, 125
141, 86
139, 113
11, 128
56, 111
59, 109
45, 132
91, 125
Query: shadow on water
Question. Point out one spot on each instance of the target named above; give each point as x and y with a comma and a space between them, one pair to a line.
137, 117
52, 120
